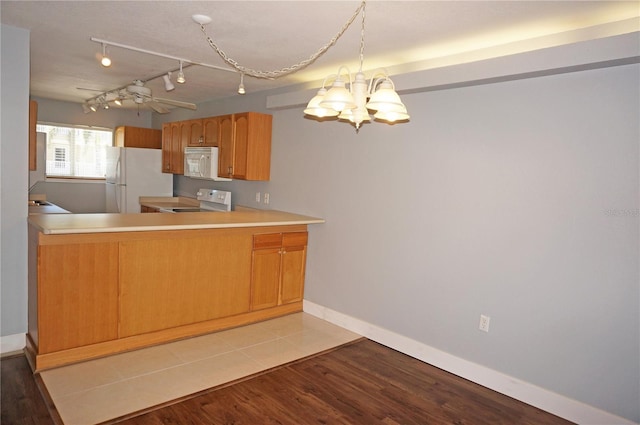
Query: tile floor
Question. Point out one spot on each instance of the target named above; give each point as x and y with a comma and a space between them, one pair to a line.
102, 389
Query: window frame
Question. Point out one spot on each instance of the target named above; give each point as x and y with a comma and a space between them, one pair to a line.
70, 178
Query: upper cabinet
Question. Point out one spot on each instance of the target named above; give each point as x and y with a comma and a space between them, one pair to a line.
135, 137
243, 140
172, 148
245, 146
201, 132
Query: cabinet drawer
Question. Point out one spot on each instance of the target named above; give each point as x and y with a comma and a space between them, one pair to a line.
267, 240
291, 239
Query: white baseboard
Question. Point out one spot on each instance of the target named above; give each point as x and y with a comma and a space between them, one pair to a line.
12, 343
541, 398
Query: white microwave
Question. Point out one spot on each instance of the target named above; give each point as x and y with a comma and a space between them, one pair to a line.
202, 163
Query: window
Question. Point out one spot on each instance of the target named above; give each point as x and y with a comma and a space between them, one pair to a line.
76, 152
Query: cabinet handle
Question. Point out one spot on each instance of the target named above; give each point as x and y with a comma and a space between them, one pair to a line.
201, 140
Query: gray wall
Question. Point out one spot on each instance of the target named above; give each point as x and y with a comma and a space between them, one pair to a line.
14, 178
518, 200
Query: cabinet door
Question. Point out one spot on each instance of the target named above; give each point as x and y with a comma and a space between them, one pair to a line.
177, 149
211, 131
183, 277
226, 146
294, 257
166, 147
192, 133
77, 295
241, 145
265, 270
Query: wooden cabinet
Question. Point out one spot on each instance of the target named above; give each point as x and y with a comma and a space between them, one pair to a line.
201, 132
73, 296
245, 146
211, 131
164, 285
277, 269
244, 142
146, 209
95, 294
191, 133
33, 121
136, 137
172, 148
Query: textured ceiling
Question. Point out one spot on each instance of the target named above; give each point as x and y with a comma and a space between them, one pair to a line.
269, 35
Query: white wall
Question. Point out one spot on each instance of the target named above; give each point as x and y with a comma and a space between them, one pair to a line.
14, 184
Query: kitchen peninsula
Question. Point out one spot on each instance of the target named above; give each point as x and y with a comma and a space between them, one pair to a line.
100, 284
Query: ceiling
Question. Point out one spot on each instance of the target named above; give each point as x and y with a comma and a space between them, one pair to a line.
268, 35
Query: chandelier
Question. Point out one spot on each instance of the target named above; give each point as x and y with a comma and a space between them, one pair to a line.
353, 105
350, 104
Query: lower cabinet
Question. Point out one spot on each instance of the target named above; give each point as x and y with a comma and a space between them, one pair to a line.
173, 281
277, 271
95, 294
77, 294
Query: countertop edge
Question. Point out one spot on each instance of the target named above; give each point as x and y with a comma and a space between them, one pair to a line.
111, 223
176, 227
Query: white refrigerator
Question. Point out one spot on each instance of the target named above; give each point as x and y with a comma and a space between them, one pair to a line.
131, 173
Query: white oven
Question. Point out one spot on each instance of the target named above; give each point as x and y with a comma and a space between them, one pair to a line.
202, 163
210, 200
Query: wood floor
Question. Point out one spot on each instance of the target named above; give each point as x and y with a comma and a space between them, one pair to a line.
359, 383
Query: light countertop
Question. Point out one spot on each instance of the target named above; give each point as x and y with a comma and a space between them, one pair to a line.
168, 202
49, 208
105, 223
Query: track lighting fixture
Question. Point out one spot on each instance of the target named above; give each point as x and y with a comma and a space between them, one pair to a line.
168, 85
180, 79
241, 89
350, 100
105, 61
93, 108
118, 101
85, 108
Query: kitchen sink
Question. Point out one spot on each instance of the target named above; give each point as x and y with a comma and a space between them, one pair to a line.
38, 203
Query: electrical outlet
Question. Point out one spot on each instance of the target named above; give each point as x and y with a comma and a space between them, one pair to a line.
484, 323
258, 197
266, 198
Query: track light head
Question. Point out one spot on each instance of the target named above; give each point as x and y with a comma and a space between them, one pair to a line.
105, 61
180, 78
241, 89
168, 85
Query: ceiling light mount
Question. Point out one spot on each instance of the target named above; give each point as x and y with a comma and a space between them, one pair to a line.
201, 19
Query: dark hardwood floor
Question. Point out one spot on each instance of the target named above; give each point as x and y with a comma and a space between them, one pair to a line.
359, 383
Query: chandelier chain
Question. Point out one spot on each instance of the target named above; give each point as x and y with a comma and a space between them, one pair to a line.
298, 66
362, 36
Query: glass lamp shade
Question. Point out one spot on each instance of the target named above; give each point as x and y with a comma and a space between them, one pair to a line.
356, 115
392, 116
385, 98
338, 97
314, 108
